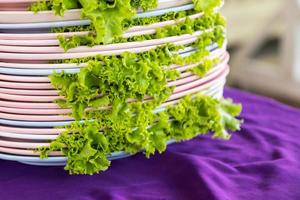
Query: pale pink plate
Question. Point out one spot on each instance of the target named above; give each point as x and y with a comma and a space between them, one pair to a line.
28, 136
61, 56
48, 16
34, 131
214, 54
98, 48
180, 93
24, 152
29, 85
24, 38
182, 84
21, 145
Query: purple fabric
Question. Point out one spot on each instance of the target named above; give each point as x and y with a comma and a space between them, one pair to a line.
260, 162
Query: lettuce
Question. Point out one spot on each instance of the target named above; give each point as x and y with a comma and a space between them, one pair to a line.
187, 26
128, 75
144, 4
127, 23
107, 16
206, 6
87, 144
112, 81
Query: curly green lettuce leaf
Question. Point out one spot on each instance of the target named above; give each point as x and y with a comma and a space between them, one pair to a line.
144, 4
187, 26
136, 127
206, 6
60, 6
127, 76
40, 6
107, 17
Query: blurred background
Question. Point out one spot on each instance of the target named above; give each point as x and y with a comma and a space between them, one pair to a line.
264, 42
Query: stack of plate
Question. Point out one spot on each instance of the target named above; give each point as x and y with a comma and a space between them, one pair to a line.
27, 112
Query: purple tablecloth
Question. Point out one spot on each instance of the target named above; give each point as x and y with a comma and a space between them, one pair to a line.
260, 162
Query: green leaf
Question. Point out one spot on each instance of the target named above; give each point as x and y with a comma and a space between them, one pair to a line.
206, 6
102, 101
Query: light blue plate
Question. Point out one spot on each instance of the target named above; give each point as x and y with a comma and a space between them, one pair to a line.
47, 25
57, 161
46, 72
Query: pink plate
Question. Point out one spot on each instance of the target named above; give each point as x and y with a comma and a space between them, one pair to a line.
38, 93
62, 56
36, 118
29, 85
216, 53
182, 84
35, 131
53, 36
28, 136
49, 118
28, 111
33, 45
98, 48
28, 92
25, 105
24, 79
48, 111
24, 152
198, 88
53, 108
13, 7
66, 118
41, 118
49, 16
21, 145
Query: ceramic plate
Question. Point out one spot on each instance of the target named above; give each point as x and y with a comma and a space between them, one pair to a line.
98, 48
52, 131
40, 105
53, 161
215, 91
56, 117
46, 19
23, 39
46, 88
61, 56
44, 92
31, 131
26, 65
55, 123
41, 70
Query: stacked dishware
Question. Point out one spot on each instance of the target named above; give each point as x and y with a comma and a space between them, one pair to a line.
32, 55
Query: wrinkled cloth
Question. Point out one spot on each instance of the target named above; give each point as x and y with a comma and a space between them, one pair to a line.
261, 162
